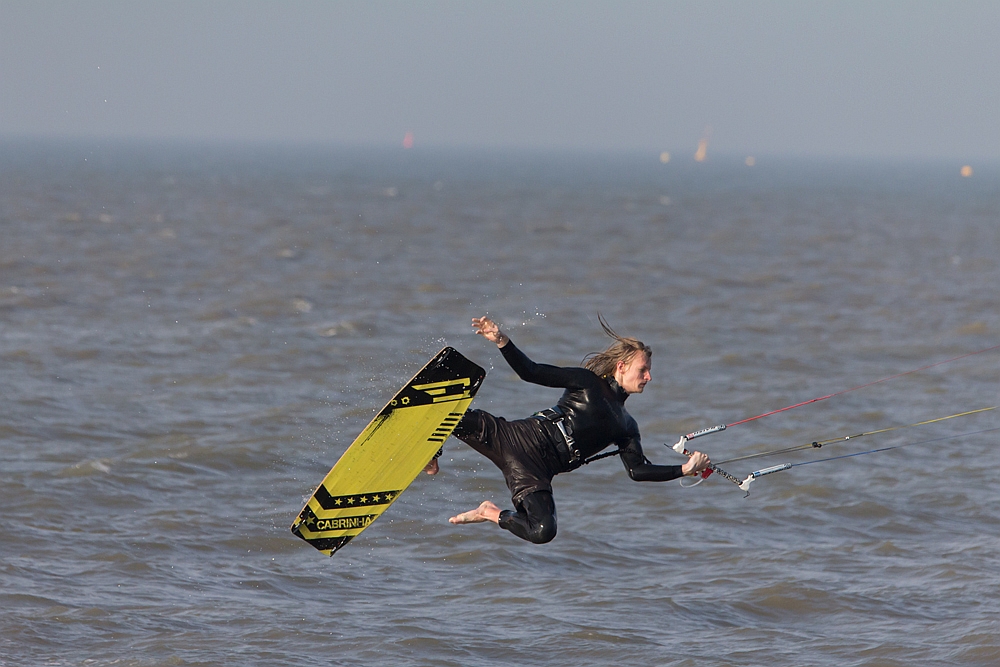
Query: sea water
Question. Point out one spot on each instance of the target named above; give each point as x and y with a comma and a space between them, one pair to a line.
191, 335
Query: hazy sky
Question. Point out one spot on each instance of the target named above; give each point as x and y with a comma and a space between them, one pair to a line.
865, 78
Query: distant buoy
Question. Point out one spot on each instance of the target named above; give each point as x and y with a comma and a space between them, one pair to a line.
966, 171
664, 157
702, 152
750, 161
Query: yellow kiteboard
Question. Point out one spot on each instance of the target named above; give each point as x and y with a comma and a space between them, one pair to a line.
390, 452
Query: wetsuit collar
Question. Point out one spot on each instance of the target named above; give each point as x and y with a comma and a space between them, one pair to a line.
616, 388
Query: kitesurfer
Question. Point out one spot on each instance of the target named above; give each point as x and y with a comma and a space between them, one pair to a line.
589, 417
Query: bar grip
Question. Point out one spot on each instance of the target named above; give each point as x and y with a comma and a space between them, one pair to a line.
705, 431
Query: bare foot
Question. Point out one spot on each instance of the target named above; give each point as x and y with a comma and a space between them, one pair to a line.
432, 468
486, 511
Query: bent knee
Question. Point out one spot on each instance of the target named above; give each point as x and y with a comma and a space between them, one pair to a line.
543, 532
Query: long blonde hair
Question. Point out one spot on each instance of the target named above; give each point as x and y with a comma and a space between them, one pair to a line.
623, 349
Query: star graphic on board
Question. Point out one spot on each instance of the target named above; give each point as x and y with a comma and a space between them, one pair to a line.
337, 501
364, 499
350, 501
375, 498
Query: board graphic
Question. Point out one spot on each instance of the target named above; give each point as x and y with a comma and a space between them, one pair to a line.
390, 452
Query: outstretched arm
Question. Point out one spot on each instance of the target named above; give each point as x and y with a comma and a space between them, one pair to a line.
641, 470
528, 370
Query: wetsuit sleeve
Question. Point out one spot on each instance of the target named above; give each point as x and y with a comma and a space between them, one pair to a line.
640, 469
544, 374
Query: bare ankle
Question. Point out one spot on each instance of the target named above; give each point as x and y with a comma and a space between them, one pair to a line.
489, 511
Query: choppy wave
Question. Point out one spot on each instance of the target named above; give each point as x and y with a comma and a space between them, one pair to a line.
190, 339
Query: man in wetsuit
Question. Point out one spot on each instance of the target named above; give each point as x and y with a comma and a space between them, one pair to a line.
589, 417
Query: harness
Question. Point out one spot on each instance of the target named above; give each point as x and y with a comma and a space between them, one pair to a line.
556, 416
572, 454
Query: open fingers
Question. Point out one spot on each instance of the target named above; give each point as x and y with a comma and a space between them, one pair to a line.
484, 325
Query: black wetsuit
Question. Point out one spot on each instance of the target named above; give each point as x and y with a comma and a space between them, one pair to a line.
532, 451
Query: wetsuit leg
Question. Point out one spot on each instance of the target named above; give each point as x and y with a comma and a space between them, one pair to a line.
478, 430
534, 520
518, 449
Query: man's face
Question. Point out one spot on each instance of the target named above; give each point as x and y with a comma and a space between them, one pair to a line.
634, 375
